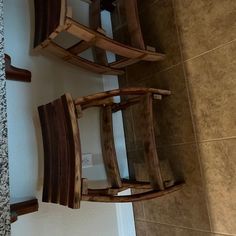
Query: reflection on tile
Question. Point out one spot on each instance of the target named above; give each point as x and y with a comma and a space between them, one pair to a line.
219, 164
213, 90
134, 158
140, 227
138, 211
128, 129
154, 229
205, 24
174, 123
159, 30
187, 207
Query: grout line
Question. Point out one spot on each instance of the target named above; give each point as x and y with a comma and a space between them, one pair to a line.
144, 78
170, 67
176, 144
216, 139
203, 179
164, 146
183, 227
210, 50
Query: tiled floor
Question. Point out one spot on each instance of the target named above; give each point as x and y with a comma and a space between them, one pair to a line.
196, 125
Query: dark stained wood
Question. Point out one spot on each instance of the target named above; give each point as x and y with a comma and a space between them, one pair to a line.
17, 74
25, 207
62, 152
136, 184
47, 183
134, 27
108, 148
75, 176
47, 19
118, 92
149, 143
53, 142
13, 216
95, 23
107, 5
63, 180
125, 104
134, 197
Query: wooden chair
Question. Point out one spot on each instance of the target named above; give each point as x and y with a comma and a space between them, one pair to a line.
63, 182
54, 18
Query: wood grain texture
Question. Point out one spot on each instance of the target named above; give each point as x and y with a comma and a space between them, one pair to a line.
23, 207
108, 148
47, 19
62, 152
79, 61
149, 143
118, 92
134, 197
53, 142
47, 182
109, 44
132, 17
17, 74
75, 185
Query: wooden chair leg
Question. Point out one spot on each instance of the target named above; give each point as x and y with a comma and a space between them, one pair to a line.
108, 148
95, 23
150, 144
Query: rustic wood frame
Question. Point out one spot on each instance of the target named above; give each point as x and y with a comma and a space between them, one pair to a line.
53, 17
63, 181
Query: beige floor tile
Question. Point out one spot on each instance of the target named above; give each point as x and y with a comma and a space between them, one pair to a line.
213, 92
140, 228
159, 30
219, 163
138, 211
205, 24
187, 207
154, 229
174, 123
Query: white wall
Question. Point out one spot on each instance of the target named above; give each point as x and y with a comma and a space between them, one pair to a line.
50, 78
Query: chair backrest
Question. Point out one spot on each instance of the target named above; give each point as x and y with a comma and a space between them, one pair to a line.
62, 152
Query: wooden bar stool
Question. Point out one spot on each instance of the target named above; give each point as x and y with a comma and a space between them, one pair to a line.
63, 182
56, 17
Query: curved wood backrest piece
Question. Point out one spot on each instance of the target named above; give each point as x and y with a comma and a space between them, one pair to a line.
62, 152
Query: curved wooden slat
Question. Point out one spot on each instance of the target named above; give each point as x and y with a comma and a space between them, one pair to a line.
75, 174
62, 152
134, 197
118, 92
47, 183
133, 23
108, 148
79, 61
148, 136
109, 44
47, 19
